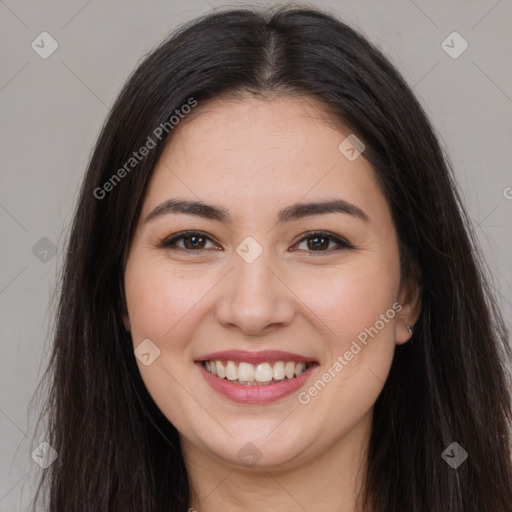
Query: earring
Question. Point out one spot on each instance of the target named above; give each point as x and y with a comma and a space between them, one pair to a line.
409, 328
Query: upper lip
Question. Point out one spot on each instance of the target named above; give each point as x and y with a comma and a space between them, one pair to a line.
264, 356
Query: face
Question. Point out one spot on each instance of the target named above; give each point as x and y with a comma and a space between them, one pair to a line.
256, 290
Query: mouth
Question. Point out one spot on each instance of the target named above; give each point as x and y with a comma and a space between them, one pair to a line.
255, 377
263, 374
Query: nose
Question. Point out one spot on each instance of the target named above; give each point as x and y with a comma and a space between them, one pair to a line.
255, 298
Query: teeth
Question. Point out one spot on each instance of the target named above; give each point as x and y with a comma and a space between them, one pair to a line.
221, 372
231, 371
263, 373
246, 372
279, 370
299, 368
289, 370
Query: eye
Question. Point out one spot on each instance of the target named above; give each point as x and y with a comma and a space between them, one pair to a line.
196, 241
321, 240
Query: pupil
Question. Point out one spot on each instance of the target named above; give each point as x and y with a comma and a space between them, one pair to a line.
194, 239
316, 239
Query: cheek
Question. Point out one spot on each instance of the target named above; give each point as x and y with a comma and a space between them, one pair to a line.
352, 299
160, 299
161, 304
358, 322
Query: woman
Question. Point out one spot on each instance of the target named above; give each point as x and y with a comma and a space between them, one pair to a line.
272, 297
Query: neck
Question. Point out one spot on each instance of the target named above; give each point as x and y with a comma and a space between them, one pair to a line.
328, 480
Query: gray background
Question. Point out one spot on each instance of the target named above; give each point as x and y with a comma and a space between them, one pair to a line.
51, 111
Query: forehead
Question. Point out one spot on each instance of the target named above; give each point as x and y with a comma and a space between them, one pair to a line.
255, 154
278, 125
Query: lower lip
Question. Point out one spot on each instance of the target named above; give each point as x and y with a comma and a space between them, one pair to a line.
255, 394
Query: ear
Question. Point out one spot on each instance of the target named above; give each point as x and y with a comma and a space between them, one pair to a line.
410, 299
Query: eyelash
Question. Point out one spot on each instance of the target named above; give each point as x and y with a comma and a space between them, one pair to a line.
170, 243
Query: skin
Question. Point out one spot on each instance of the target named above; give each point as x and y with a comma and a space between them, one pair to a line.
254, 157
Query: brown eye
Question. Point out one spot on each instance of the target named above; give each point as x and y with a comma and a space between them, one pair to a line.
192, 241
318, 241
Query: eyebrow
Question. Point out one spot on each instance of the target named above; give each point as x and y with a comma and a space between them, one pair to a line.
290, 213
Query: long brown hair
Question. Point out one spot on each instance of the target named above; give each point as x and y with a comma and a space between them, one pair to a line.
116, 450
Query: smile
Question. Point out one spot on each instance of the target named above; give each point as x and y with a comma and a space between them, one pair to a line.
255, 377
262, 374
